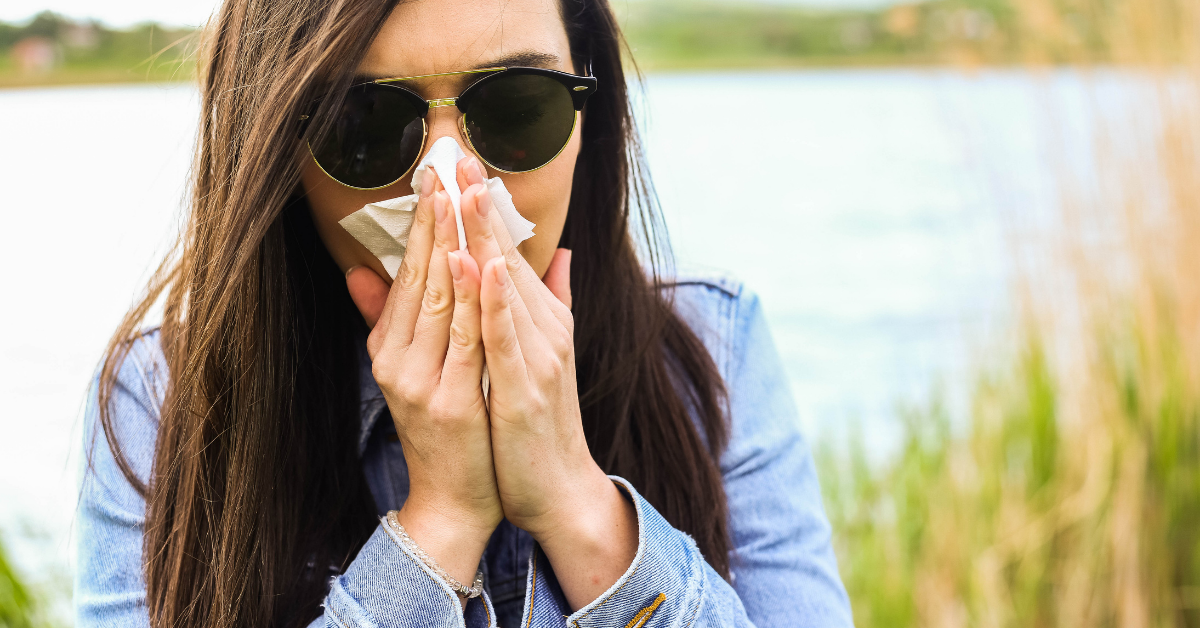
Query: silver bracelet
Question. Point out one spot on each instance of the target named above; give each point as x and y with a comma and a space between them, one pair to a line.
462, 590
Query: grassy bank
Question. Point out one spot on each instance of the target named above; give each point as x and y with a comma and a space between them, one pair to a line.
52, 50
1069, 495
662, 35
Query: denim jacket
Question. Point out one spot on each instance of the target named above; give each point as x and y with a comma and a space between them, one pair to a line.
783, 571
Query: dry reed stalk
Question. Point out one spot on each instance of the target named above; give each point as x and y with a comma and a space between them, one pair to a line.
1073, 499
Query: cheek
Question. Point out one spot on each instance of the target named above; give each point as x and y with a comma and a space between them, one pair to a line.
330, 202
543, 197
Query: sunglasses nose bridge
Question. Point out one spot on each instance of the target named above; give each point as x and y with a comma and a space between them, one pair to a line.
444, 121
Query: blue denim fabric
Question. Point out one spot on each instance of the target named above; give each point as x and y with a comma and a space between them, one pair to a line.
783, 569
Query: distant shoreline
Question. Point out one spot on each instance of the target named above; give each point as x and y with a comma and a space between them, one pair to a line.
122, 78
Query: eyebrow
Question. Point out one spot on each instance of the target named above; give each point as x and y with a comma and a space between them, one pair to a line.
524, 58
521, 58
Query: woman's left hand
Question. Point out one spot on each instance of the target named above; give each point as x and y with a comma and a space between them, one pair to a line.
549, 484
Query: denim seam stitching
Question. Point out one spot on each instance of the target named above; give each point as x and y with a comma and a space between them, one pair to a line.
697, 566
337, 619
643, 615
490, 622
330, 607
532, 586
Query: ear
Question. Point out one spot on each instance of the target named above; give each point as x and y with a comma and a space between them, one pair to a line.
558, 276
368, 291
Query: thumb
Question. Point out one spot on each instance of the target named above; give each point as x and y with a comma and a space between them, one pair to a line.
368, 291
558, 276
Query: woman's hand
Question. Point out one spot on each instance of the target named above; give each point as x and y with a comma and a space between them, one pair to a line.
548, 483
427, 357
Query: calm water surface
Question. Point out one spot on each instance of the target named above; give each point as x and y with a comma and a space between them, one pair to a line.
861, 206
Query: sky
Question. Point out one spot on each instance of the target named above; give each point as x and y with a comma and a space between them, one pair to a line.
195, 12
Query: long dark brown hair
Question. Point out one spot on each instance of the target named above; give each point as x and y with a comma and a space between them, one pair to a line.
257, 487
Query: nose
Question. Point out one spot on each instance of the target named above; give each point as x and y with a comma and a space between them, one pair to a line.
442, 120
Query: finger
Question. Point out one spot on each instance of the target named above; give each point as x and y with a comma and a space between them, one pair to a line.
470, 171
501, 345
558, 276
483, 245
404, 298
546, 311
464, 355
431, 333
368, 291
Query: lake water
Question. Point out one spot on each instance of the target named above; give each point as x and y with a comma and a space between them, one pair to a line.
862, 206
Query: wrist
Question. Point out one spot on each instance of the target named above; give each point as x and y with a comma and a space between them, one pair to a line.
455, 540
592, 545
593, 510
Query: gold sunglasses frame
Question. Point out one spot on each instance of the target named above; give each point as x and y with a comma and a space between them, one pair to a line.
462, 126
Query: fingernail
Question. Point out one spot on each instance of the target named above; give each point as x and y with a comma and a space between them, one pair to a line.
470, 168
427, 182
351, 269
483, 202
439, 208
482, 170
501, 273
455, 265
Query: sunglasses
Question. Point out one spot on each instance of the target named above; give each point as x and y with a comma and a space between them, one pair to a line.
514, 119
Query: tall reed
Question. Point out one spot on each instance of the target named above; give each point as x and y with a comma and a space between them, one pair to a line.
1070, 494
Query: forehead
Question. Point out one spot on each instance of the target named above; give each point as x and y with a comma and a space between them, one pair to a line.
429, 36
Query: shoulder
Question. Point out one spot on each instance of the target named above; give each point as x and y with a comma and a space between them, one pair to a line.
728, 318
135, 398
719, 308
143, 370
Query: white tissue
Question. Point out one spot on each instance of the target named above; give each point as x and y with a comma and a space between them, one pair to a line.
383, 226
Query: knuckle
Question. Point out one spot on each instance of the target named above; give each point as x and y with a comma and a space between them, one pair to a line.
374, 343
410, 391
424, 214
460, 338
509, 345
462, 297
382, 369
562, 343
409, 276
536, 404
437, 301
440, 414
487, 236
553, 370
512, 257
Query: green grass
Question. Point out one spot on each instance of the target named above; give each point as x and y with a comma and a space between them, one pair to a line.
1041, 509
87, 52
18, 607
663, 35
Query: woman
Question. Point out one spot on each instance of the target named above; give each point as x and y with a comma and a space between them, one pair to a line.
304, 441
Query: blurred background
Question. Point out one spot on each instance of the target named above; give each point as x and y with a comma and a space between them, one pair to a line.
974, 226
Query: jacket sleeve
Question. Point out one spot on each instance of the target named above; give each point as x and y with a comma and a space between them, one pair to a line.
384, 585
783, 568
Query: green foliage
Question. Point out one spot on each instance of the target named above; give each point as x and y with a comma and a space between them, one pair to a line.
679, 33
1023, 516
17, 607
90, 52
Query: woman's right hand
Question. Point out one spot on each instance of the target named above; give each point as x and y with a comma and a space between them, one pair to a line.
427, 357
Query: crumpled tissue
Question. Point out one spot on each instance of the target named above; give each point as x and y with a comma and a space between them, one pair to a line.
383, 226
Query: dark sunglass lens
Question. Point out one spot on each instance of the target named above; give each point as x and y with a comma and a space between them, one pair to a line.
375, 138
520, 122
